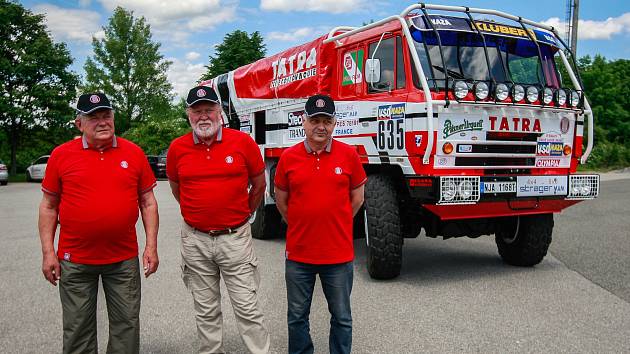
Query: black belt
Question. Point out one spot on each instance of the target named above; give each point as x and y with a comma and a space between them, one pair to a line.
226, 231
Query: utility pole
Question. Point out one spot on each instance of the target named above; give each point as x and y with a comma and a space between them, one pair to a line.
574, 26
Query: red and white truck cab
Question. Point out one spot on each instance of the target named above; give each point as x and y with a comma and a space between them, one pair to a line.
462, 122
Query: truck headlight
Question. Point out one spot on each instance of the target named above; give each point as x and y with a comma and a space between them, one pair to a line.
501, 92
547, 95
561, 97
518, 93
465, 189
449, 191
460, 89
574, 98
481, 90
532, 94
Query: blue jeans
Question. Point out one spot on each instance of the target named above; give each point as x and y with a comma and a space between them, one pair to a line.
336, 282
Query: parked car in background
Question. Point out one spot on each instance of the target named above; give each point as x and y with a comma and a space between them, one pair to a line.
158, 164
37, 169
4, 174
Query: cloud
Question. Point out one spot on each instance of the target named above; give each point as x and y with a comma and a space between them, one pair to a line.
183, 75
589, 29
330, 6
292, 35
192, 56
69, 24
192, 15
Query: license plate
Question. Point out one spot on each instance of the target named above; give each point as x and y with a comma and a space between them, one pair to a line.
529, 186
498, 187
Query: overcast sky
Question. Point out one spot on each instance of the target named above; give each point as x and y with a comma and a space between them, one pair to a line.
189, 30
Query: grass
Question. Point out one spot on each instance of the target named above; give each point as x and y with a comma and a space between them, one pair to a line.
19, 177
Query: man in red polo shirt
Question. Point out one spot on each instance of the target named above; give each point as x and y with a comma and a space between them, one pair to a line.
93, 189
210, 171
319, 188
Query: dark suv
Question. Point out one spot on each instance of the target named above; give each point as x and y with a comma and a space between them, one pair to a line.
158, 164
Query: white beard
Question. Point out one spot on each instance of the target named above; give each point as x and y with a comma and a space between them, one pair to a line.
206, 132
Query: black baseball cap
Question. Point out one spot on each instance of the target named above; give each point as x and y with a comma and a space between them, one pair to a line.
90, 102
201, 93
320, 104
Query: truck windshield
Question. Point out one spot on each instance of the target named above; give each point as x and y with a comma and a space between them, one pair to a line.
511, 59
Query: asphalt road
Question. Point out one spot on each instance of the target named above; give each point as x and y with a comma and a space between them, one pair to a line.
453, 296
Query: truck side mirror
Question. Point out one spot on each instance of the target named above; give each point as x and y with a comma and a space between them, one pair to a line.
373, 70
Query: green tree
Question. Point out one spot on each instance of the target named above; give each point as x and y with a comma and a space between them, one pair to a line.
156, 135
128, 67
36, 84
238, 49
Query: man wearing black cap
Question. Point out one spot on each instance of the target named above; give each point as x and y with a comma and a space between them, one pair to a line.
210, 170
319, 188
93, 188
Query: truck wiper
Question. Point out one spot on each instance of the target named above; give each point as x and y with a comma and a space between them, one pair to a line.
452, 73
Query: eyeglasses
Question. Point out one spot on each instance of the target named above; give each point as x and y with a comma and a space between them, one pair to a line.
206, 112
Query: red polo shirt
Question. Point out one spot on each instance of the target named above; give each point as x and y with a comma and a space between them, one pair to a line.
213, 180
319, 212
99, 193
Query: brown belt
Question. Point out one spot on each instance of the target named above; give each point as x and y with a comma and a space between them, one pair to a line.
226, 231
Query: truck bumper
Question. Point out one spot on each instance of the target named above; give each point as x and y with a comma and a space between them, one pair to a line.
491, 209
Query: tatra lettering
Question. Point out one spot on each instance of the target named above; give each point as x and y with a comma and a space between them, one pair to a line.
300, 66
518, 124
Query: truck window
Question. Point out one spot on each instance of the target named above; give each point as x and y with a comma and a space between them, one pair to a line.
401, 81
385, 54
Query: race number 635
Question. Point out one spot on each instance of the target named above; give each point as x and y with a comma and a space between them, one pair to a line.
391, 134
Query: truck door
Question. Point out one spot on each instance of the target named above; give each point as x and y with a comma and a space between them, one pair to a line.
391, 93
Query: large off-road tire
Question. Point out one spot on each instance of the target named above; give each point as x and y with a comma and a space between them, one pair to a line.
384, 236
358, 224
524, 241
267, 223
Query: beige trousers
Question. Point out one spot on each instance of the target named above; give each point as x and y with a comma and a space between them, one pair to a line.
205, 259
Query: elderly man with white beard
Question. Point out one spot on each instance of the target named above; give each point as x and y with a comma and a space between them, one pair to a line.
210, 171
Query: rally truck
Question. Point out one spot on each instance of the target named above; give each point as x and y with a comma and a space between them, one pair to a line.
461, 118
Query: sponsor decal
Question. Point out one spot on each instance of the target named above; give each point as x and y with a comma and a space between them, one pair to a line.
124, 164
295, 131
564, 125
549, 149
442, 161
418, 140
346, 110
515, 124
441, 22
550, 138
95, 99
229, 159
546, 162
201, 93
345, 126
541, 185
294, 68
450, 128
391, 111
338, 170
352, 68
489, 27
464, 148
